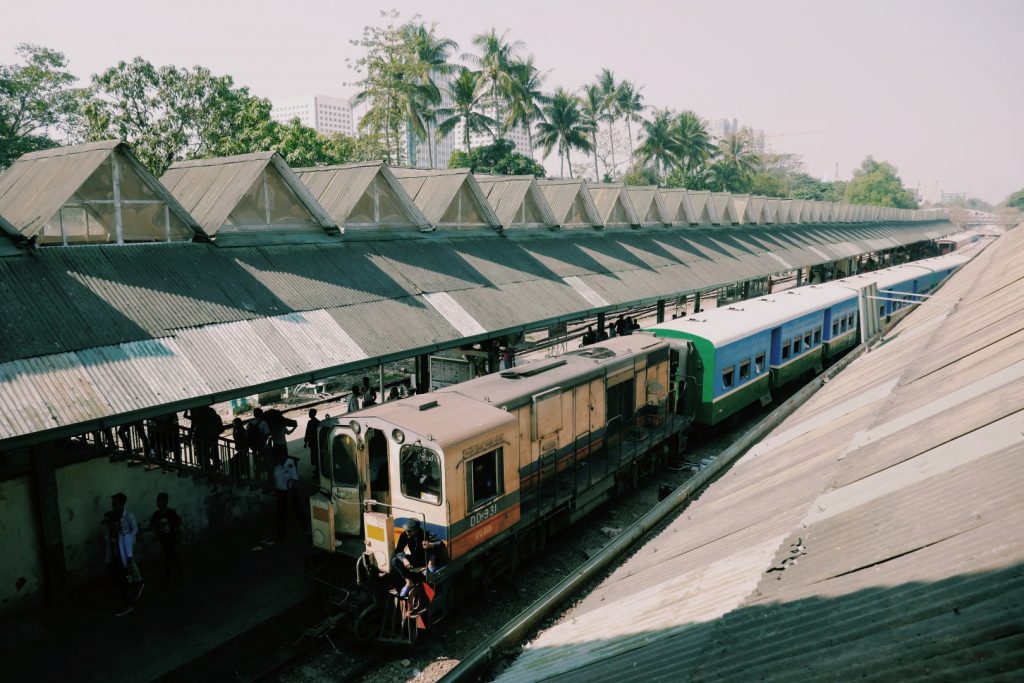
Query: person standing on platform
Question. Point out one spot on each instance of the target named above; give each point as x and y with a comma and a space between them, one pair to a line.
369, 393
286, 483
121, 531
311, 441
257, 433
166, 524
353, 399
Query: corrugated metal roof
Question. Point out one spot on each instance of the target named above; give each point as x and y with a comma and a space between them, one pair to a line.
704, 210
678, 210
649, 207
433, 191
210, 189
606, 196
339, 188
875, 533
39, 183
562, 194
506, 195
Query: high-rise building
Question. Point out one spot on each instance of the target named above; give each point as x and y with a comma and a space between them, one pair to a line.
322, 113
722, 128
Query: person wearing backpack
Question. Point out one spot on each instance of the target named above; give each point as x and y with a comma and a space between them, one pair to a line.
258, 433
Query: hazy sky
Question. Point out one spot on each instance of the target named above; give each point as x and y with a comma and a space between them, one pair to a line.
934, 87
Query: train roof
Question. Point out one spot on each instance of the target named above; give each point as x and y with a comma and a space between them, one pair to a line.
722, 326
446, 417
514, 387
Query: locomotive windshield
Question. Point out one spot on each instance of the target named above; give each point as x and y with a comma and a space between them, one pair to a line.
343, 455
421, 474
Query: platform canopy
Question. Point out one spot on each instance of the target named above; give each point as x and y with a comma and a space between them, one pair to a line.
517, 200
678, 209
363, 196
448, 198
612, 201
96, 193
648, 205
571, 203
704, 210
247, 195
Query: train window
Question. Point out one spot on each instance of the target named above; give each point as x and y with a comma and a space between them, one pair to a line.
745, 370
728, 377
421, 474
343, 456
817, 336
785, 351
796, 346
483, 478
759, 363
807, 340
881, 310
853, 320
835, 328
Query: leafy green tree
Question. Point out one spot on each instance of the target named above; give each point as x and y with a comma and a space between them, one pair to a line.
497, 63
527, 97
429, 55
640, 175
170, 114
735, 165
1015, 200
694, 143
629, 103
499, 158
592, 107
659, 145
564, 127
36, 98
876, 182
464, 91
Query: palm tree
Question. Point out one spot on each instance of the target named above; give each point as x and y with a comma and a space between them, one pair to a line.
465, 93
695, 146
565, 126
593, 106
606, 80
630, 104
496, 65
430, 60
527, 97
659, 145
735, 165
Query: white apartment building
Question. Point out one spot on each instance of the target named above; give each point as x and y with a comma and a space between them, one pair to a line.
722, 128
322, 113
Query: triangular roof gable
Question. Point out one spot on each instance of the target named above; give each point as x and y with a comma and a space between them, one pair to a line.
613, 204
570, 200
772, 206
812, 211
741, 207
755, 211
435, 192
38, 184
725, 208
515, 198
704, 209
213, 189
797, 210
340, 189
678, 208
647, 202
783, 208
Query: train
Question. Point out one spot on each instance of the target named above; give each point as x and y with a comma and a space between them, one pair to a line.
491, 468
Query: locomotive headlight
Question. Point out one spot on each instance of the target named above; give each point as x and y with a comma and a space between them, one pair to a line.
354, 426
398, 435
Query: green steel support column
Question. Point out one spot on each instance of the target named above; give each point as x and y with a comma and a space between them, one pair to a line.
47, 500
746, 289
422, 373
696, 302
661, 311
600, 324
799, 276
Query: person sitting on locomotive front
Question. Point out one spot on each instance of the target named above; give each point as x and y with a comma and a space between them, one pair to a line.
411, 551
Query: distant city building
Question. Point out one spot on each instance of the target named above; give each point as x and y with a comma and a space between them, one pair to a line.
322, 113
954, 197
722, 128
755, 139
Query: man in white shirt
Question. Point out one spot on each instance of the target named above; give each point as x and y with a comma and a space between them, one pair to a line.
286, 480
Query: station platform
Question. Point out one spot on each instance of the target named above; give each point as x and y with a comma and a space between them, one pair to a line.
232, 583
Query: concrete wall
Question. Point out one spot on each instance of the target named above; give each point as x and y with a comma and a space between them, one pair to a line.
21, 572
84, 491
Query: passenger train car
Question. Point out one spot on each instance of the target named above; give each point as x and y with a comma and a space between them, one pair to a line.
743, 351
493, 466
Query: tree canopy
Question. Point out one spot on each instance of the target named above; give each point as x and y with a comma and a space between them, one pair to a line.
498, 158
1016, 200
876, 182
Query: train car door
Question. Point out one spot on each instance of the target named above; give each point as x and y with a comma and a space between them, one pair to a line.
377, 454
344, 463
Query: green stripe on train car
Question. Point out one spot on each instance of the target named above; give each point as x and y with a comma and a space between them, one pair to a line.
713, 412
833, 349
706, 352
788, 373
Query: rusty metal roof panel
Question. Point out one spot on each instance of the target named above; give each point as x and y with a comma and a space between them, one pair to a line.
875, 531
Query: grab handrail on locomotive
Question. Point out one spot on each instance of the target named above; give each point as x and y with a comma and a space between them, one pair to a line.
490, 468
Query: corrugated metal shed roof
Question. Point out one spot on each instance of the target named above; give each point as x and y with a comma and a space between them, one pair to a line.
678, 210
339, 188
563, 194
876, 533
434, 190
609, 195
210, 189
649, 207
704, 209
506, 195
39, 183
